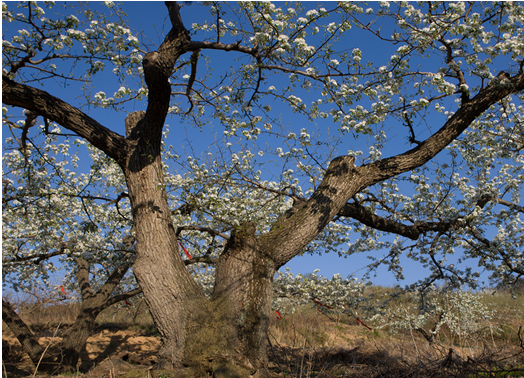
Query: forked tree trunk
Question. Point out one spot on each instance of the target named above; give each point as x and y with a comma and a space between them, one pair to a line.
72, 345
232, 328
227, 334
75, 338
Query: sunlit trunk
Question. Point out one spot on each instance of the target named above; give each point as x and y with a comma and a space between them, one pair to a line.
168, 288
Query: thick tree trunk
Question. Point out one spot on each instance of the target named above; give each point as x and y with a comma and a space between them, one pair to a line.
228, 335
170, 292
24, 335
75, 338
244, 280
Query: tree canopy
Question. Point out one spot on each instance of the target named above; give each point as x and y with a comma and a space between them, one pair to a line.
405, 135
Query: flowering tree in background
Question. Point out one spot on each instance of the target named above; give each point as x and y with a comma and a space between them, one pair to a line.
450, 84
462, 313
46, 215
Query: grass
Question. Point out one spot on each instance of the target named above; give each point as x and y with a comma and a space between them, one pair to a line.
309, 344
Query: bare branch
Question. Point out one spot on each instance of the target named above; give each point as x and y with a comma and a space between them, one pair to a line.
225, 47
122, 297
29, 122
194, 61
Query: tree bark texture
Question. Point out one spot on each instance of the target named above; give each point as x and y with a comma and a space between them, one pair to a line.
244, 281
26, 338
168, 288
231, 329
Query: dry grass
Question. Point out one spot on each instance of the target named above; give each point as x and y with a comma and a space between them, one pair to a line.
309, 344
331, 349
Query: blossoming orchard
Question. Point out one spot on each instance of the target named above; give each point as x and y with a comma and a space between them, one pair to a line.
193, 167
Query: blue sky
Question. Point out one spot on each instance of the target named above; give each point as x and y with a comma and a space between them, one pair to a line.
152, 19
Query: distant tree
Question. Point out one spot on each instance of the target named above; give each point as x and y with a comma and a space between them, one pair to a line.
439, 85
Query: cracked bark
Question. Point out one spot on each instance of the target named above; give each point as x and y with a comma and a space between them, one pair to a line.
245, 270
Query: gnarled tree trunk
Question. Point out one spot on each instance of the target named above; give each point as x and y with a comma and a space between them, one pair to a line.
231, 329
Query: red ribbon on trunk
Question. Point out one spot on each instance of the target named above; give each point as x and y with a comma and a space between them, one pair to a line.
63, 291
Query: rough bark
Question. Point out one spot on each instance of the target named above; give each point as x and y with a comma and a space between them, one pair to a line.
235, 322
244, 280
26, 338
301, 224
169, 290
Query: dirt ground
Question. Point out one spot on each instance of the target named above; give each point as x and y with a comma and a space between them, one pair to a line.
135, 345
118, 352
309, 347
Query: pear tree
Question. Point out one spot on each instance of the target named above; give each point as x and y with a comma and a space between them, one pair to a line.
406, 130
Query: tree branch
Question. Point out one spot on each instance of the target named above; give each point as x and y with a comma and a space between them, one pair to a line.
465, 115
82, 277
113, 280
194, 61
174, 15
53, 108
121, 297
299, 225
223, 46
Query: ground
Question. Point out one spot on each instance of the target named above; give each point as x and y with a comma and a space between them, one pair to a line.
305, 344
